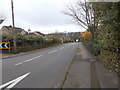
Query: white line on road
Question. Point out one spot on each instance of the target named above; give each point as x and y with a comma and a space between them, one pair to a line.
52, 51
28, 60
62, 48
14, 82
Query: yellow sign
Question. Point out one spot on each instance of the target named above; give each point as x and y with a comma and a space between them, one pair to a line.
4, 45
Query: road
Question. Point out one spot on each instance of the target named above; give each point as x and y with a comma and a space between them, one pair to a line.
42, 69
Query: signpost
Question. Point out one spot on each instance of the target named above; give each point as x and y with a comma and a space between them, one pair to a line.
4, 45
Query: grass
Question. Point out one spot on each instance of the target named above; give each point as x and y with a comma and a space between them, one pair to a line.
78, 50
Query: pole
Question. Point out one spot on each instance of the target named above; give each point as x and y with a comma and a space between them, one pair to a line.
14, 32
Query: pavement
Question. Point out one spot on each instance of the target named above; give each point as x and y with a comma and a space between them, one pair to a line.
86, 71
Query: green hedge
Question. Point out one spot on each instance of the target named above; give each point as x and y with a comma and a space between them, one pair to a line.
92, 46
28, 42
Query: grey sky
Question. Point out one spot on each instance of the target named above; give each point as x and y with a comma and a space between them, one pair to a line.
39, 15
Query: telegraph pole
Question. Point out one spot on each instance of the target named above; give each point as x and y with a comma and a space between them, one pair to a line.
14, 32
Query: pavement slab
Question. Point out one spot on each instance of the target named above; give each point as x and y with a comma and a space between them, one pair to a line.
87, 72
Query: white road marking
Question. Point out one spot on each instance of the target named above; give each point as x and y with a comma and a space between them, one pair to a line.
14, 82
62, 48
18, 63
28, 60
5, 56
52, 51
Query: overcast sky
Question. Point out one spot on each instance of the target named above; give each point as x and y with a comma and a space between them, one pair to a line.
39, 15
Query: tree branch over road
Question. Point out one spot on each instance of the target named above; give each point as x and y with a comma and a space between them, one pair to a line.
1, 19
82, 12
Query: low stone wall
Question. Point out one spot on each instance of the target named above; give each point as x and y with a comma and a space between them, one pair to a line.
110, 59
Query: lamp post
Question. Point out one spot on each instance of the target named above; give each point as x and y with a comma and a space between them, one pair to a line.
14, 32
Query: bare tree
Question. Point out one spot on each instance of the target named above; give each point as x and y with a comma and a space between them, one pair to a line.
83, 14
1, 19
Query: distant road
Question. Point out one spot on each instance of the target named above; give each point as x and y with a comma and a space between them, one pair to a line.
43, 69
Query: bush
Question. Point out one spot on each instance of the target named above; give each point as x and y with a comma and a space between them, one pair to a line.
92, 46
95, 50
67, 41
48, 42
29, 42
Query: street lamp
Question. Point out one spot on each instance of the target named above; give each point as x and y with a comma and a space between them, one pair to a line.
14, 32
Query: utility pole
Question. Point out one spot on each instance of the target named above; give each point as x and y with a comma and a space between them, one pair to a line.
14, 31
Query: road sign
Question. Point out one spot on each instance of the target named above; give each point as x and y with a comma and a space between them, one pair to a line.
4, 45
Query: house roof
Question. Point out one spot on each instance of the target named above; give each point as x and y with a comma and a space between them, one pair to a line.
20, 30
17, 29
39, 33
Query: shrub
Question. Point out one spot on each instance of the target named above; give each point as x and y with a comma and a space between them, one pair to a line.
93, 46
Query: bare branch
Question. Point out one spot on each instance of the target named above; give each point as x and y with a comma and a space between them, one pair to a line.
84, 15
2, 19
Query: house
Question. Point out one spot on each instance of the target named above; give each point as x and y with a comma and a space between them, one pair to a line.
9, 30
37, 33
55, 35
